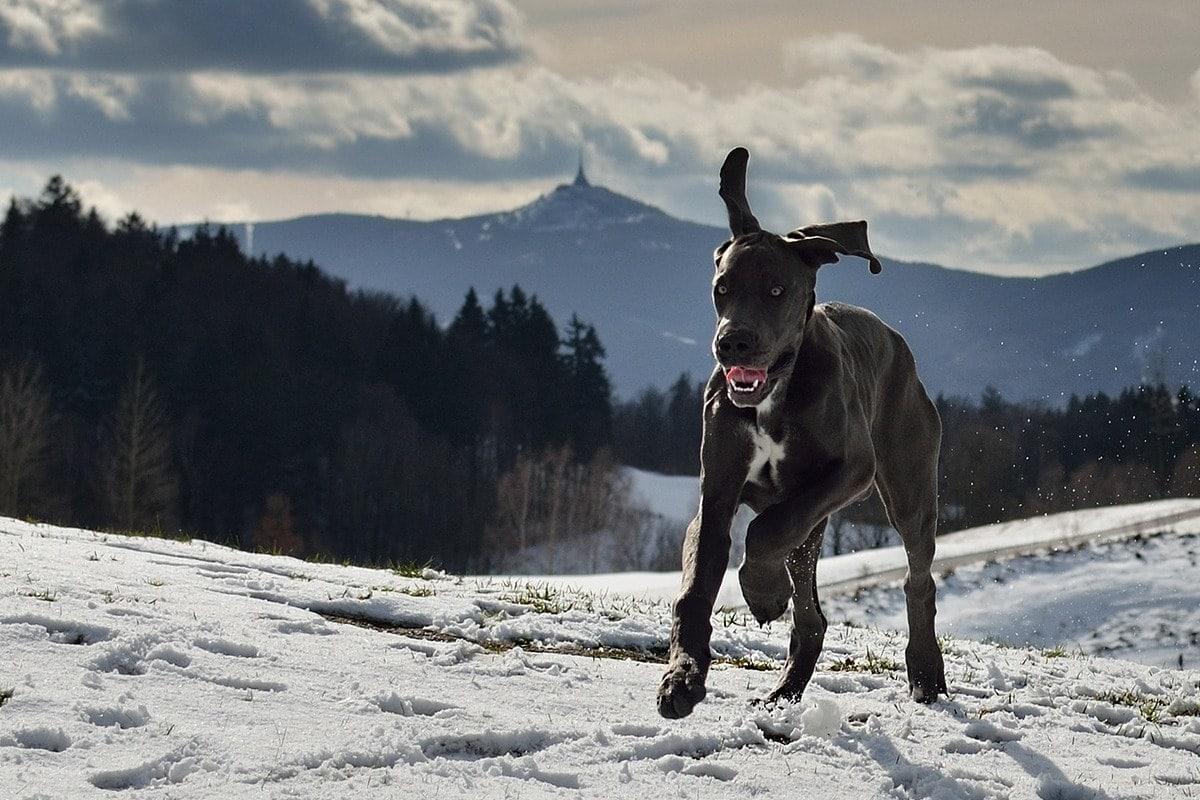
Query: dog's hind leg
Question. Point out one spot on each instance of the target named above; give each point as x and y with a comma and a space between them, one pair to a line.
808, 622
907, 483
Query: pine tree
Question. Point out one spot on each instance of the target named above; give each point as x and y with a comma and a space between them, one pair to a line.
589, 396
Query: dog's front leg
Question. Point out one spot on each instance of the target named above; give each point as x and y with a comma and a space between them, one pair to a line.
705, 558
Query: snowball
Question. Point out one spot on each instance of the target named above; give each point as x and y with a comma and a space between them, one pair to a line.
823, 718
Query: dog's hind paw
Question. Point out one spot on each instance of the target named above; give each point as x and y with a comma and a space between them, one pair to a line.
766, 598
681, 689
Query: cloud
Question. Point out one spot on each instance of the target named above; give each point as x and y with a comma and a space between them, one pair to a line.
1003, 158
270, 36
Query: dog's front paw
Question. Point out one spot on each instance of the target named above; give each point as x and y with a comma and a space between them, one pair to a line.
788, 691
682, 688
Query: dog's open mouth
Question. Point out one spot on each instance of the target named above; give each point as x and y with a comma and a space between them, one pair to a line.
748, 386
745, 380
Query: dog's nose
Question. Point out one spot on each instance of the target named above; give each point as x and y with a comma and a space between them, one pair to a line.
736, 343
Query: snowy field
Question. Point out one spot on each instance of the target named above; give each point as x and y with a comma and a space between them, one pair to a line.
145, 668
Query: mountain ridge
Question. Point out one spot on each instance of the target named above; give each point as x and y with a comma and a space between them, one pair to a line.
642, 276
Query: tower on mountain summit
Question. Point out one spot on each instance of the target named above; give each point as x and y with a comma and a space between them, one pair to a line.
580, 178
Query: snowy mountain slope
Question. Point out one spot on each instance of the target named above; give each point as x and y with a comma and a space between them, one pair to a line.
642, 277
166, 669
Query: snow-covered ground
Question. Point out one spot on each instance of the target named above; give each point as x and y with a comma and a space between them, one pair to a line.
149, 668
1133, 598
845, 573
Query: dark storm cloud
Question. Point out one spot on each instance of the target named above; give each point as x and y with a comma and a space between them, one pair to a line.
258, 36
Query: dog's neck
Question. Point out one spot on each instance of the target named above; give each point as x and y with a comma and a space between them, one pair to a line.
763, 411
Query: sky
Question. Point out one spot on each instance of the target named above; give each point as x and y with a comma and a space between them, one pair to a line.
1014, 138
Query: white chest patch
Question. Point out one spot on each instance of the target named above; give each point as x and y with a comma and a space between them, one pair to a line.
764, 462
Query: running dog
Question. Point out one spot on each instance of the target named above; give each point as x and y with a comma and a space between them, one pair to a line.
809, 407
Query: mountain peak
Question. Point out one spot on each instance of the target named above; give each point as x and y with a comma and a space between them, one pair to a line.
579, 205
580, 178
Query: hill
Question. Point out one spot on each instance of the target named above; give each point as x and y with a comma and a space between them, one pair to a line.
642, 277
192, 670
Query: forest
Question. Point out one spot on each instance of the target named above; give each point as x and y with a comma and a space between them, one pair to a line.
171, 385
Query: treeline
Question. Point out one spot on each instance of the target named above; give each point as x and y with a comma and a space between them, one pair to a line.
155, 383
1000, 459
1004, 460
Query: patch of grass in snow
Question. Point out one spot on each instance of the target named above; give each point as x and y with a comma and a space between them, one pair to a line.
322, 558
158, 532
949, 646
411, 569
542, 598
732, 617
417, 591
873, 663
1058, 651
6, 694
45, 595
742, 662
1149, 706
547, 598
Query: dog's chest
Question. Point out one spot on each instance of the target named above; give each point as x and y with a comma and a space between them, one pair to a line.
765, 459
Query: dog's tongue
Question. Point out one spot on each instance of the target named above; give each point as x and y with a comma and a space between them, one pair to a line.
745, 374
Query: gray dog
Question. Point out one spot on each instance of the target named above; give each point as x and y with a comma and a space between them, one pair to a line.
809, 406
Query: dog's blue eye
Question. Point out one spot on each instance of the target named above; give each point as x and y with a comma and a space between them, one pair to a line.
776, 291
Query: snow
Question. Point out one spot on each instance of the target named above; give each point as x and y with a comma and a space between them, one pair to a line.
1135, 598
673, 497
189, 670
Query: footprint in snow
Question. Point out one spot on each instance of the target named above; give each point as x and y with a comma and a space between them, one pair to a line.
703, 769
42, 738
224, 647
412, 706
63, 631
123, 717
305, 626
984, 731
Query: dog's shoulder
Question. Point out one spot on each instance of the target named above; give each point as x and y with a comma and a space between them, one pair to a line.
855, 321
845, 315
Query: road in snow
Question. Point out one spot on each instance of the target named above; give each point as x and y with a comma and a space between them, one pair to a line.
147, 668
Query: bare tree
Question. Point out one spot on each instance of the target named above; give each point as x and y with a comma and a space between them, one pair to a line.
137, 471
25, 423
555, 514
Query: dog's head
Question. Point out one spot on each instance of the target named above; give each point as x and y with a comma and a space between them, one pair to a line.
764, 288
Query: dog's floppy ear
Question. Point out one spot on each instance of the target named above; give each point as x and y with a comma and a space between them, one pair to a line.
822, 244
720, 251
733, 192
